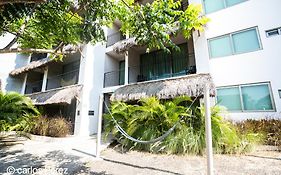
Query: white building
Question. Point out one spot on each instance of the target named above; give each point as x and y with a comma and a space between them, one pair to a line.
240, 48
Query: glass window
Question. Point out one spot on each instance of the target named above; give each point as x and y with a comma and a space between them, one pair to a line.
230, 98
121, 72
246, 41
213, 5
236, 43
233, 2
253, 98
256, 97
220, 47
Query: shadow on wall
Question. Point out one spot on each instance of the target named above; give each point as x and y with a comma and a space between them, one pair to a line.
15, 83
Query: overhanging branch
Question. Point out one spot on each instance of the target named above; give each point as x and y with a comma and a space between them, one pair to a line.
3, 2
30, 50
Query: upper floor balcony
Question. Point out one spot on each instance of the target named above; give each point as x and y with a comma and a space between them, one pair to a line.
155, 65
43, 73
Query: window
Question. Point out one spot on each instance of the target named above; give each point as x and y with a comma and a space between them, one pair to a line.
279, 91
254, 97
215, 5
234, 43
273, 32
38, 56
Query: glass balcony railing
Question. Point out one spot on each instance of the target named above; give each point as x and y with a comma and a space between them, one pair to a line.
146, 73
53, 82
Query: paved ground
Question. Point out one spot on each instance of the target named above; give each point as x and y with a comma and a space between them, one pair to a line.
76, 156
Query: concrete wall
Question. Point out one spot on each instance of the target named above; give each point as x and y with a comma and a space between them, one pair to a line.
259, 66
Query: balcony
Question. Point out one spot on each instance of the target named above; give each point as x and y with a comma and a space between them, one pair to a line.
114, 38
148, 72
53, 82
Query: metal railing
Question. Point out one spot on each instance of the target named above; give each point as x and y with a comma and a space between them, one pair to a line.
114, 38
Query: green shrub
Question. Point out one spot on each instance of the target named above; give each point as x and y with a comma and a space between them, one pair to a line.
151, 118
53, 127
17, 112
270, 128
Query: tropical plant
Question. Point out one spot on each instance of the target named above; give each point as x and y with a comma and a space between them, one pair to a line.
150, 118
16, 112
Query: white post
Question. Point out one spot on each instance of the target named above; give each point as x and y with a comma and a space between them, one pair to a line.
24, 84
126, 68
99, 127
208, 130
45, 78
126, 80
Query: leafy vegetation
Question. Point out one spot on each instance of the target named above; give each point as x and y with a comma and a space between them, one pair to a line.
270, 128
150, 118
56, 23
51, 126
16, 112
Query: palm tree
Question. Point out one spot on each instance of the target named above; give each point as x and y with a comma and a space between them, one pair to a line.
16, 112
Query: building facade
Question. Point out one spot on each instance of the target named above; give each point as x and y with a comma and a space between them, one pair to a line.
240, 49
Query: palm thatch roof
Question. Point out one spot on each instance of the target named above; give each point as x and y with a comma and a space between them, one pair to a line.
30, 66
191, 85
123, 45
62, 95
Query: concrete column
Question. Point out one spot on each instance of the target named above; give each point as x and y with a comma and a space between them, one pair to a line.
24, 84
208, 130
45, 78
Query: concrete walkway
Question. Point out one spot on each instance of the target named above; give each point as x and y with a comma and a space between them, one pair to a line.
74, 155
43, 155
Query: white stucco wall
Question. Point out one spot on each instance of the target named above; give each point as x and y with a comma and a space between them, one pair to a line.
91, 77
259, 66
9, 62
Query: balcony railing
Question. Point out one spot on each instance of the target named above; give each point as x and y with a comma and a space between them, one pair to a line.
114, 78
56, 81
62, 80
32, 87
114, 38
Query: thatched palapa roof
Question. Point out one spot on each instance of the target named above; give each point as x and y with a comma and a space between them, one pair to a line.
30, 66
62, 95
123, 45
191, 85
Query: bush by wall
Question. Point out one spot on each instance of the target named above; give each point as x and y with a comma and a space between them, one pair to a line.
150, 118
53, 126
270, 128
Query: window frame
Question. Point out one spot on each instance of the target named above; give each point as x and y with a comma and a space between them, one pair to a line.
224, 4
241, 97
232, 43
